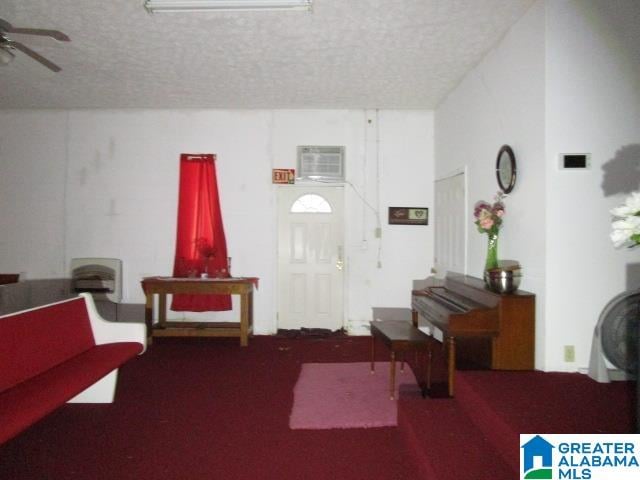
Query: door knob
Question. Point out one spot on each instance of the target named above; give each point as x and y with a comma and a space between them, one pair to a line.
339, 261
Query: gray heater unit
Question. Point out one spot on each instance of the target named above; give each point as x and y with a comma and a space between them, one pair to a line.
102, 277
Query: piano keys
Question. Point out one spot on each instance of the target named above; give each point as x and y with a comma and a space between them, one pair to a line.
461, 307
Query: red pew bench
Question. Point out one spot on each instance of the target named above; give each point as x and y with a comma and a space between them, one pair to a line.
57, 353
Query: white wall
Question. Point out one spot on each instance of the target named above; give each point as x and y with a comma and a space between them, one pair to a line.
104, 183
501, 102
566, 78
32, 179
390, 163
593, 105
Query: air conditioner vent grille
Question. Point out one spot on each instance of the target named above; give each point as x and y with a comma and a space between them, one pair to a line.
321, 163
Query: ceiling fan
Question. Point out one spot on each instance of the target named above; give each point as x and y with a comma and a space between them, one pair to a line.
7, 45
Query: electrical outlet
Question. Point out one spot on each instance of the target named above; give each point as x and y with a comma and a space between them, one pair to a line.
378, 232
569, 353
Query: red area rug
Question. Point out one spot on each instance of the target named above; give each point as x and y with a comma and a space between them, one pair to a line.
346, 395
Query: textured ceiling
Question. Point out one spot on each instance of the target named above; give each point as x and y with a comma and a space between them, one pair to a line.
343, 54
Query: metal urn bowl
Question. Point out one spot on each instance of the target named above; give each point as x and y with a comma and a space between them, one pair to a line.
503, 280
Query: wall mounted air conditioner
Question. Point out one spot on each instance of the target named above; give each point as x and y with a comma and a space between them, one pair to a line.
323, 163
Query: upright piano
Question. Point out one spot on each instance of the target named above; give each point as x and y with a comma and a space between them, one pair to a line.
463, 309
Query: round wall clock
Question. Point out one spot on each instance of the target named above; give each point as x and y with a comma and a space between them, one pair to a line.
506, 169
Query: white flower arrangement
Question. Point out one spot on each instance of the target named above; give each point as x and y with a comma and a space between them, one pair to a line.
626, 224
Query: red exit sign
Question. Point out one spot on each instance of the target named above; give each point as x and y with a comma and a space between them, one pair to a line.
283, 175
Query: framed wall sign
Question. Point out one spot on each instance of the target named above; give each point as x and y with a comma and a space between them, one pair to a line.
408, 216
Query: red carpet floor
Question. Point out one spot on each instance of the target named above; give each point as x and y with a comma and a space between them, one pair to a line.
491, 409
207, 409
194, 409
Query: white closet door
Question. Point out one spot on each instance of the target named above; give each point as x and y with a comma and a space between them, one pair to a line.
450, 225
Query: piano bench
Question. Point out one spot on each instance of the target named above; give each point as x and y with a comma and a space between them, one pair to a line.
399, 336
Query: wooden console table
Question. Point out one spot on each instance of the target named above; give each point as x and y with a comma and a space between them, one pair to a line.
162, 286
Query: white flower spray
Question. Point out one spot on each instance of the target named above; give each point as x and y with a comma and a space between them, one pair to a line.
626, 224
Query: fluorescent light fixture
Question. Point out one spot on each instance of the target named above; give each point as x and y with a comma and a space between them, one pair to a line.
161, 6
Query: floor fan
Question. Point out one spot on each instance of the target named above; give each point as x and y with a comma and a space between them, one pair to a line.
614, 351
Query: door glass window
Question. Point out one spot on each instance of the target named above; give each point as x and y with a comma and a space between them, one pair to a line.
311, 203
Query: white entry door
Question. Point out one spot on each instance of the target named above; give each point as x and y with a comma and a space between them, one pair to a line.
310, 257
450, 225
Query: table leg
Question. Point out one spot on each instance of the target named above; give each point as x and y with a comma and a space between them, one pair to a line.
451, 343
429, 355
244, 319
148, 316
373, 353
162, 310
392, 375
250, 328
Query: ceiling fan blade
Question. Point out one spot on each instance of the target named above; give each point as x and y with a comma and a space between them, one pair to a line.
58, 35
5, 26
36, 56
61, 37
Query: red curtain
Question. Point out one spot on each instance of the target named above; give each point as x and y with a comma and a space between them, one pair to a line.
200, 242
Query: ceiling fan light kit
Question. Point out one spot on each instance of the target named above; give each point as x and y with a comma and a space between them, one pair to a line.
5, 56
174, 6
